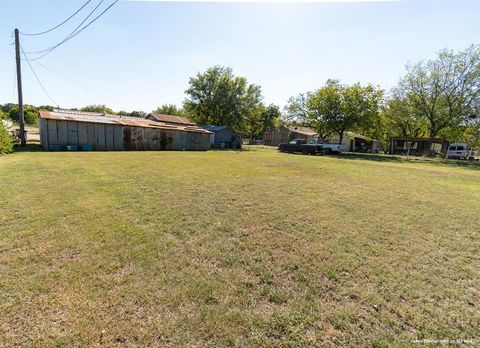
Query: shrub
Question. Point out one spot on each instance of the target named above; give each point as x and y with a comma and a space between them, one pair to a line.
30, 114
6, 140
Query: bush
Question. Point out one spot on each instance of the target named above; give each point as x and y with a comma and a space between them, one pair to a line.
6, 140
30, 114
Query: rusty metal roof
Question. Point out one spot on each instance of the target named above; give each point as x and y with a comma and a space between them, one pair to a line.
171, 119
93, 117
302, 130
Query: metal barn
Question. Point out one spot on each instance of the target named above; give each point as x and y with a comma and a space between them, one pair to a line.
65, 129
223, 137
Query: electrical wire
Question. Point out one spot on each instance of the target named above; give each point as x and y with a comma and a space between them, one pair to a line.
74, 33
58, 25
71, 36
38, 80
80, 86
63, 77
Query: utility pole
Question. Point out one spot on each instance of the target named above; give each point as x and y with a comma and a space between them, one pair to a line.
21, 116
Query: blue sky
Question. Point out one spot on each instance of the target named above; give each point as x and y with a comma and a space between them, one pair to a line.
140, 54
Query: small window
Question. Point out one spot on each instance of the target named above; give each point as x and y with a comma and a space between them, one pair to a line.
460, 148
452, 148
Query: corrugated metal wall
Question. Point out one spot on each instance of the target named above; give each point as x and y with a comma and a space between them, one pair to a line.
139, 138
223, 136
108, 137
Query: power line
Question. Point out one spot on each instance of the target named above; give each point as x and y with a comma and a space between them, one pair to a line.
63, 77
80, 86
38, 80
58, 25
71, 36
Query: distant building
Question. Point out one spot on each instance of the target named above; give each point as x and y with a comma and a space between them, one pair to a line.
353, 142
223, 137
170, 119
72, 130
415, 146
285, 133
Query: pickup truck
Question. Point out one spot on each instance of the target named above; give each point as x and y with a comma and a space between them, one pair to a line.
310, 147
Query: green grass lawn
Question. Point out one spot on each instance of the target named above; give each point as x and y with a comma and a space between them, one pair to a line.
251, 248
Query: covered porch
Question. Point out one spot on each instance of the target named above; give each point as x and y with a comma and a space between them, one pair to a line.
415, 146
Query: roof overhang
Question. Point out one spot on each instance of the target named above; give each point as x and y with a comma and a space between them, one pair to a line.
116, 120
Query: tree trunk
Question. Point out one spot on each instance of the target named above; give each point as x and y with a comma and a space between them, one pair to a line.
340, 137
428, 150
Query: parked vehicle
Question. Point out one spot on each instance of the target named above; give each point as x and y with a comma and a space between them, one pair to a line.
459, 151
325, 148
310, 147
296, 146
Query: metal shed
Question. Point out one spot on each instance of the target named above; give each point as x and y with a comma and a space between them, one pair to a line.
223, 137
62, 128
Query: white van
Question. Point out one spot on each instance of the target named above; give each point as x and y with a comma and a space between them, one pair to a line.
459, 151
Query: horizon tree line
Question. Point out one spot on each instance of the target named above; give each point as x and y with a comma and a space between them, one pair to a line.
435, 98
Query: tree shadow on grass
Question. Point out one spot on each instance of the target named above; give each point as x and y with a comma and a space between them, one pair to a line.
29, 147
412, 159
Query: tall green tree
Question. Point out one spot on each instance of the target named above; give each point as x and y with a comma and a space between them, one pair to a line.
471, 135
402, 119
30, 114
338, 108
303, 110
297, 110
443, 91
218, 97
260, 119
325, 108
169, 109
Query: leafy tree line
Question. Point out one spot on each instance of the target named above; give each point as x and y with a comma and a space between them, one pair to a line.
435, 98
31, 112
169, 109
215, 97
218, 97
336, 108
439, 97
